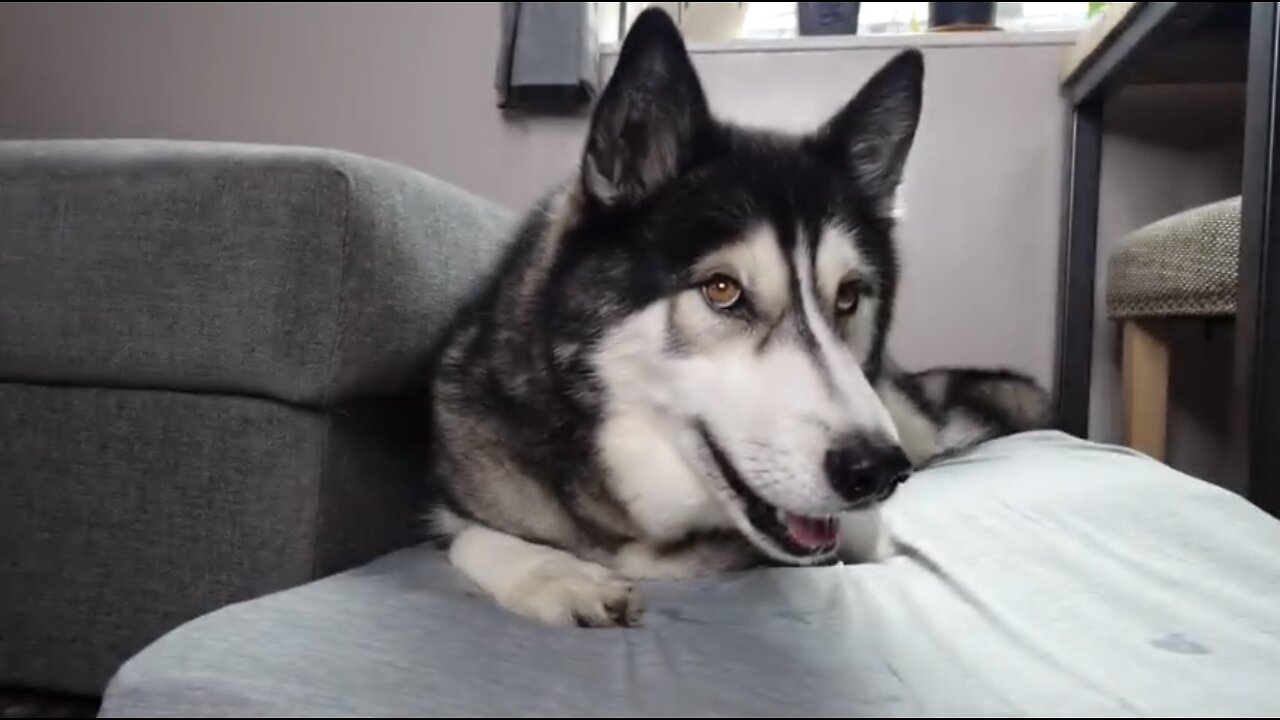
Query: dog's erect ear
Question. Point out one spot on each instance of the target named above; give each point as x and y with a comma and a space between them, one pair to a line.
874, 131
647, 121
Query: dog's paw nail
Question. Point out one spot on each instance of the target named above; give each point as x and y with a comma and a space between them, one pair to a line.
578, 594
624, 610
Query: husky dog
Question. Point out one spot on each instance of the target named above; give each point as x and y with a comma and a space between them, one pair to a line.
679, 366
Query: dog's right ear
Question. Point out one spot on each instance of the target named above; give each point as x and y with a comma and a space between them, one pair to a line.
872, 135
648, 119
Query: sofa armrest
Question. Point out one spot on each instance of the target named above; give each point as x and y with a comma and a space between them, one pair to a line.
415, 247
208, 362
304, 275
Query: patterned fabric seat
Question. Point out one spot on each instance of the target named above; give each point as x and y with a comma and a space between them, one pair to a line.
1180, 266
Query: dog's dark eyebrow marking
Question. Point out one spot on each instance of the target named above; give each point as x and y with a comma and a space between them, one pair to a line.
803, 330
769, 329
789, 239
798, 316
674, 342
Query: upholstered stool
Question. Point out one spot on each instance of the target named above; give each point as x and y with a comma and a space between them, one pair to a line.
1182, 266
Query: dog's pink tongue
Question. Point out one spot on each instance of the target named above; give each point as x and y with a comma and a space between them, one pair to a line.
812, 532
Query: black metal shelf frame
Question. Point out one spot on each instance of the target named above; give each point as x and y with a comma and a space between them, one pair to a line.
1257, 351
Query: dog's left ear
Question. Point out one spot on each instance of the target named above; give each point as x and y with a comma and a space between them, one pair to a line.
872, 135
646, 124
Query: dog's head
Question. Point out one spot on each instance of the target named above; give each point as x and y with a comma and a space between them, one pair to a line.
740, 283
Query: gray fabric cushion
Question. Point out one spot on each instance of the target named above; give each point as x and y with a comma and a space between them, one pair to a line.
1049, 576
196, 345
305, 275
126, 513
1184, 265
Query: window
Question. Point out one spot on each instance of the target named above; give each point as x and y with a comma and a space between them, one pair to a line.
717, 21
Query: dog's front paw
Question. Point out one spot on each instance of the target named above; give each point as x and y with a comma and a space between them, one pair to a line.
567, 591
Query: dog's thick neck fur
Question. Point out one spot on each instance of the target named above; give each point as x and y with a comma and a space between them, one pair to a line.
651, 381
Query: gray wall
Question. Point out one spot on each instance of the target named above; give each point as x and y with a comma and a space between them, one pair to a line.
413, 83
410, 82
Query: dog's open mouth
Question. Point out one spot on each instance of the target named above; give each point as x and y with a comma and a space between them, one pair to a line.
797, 535
814, 533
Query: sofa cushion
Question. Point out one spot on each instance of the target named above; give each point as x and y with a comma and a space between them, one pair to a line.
128, 512
1043, 575
309, 276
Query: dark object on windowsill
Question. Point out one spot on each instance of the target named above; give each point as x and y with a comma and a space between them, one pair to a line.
828, 18
961, 16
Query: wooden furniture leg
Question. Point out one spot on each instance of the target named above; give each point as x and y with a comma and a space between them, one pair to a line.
1146, 389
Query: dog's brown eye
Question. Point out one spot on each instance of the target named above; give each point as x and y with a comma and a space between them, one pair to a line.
722, 292
847, 297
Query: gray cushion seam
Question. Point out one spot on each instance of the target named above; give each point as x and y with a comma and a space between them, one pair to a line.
135, 387
326, 476
335, 349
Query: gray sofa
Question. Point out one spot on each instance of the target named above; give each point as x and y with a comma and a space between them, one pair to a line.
210, 357
210, 365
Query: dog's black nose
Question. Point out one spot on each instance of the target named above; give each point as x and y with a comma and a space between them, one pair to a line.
862, 470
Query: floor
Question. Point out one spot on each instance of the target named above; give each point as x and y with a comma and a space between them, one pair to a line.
20, 703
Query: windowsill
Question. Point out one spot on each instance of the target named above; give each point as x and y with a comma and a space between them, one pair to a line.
877, 42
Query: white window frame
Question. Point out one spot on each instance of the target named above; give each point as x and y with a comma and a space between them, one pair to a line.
1014, 32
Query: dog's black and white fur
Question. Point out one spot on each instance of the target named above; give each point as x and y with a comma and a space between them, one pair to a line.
679, 367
